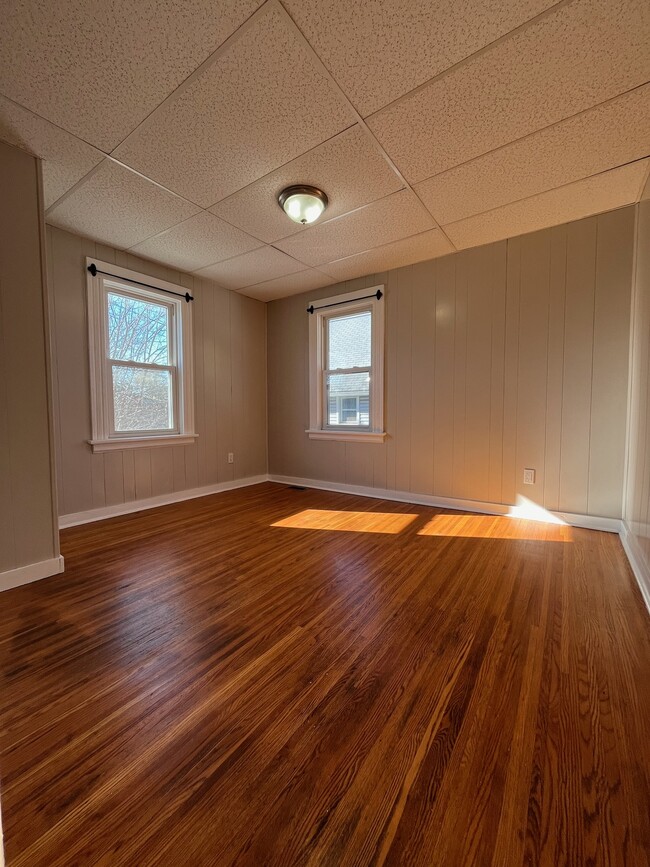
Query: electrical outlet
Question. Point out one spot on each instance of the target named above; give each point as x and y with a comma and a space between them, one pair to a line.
529, 477
231, 458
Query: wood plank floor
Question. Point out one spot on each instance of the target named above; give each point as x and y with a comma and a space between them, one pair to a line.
282, 677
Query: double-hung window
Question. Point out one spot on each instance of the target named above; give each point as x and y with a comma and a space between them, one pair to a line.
140, 343
346, 367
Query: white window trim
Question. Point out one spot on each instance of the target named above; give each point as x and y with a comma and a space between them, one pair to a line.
354, 301
102, 437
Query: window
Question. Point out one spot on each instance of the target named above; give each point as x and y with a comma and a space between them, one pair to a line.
346, 340
140, 361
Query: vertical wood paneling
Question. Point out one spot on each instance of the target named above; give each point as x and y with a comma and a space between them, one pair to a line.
611, 328
142, 465
555, 367
27, 496
128, 468
209, 362
178, 463
478, 381
578, 353
532, 363
7, 545
496, 276
358, 464
423, 349
403, 371
190, 453
201, 444
114, 478
460, 377
511, 371
94, 480
488, 365
390, 374
54, 377
162, 471
378, 452
637, 501
229, 392
72, 415
443, 434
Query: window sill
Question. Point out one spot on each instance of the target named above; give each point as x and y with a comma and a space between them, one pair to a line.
121, 443
352, 436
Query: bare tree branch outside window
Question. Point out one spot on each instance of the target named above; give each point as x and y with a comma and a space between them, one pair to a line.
138, 332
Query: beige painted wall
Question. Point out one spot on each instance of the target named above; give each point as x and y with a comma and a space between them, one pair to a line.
230, 389
498, 358
637, 505
28, 532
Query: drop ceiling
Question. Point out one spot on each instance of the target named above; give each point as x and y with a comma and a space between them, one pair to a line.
168, 128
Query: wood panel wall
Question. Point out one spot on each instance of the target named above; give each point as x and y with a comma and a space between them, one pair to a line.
506, 356
637, 505
230, 389
28, 531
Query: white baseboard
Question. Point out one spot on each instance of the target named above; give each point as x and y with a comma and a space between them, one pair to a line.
589, 522
75, 518
637, 562
31, 572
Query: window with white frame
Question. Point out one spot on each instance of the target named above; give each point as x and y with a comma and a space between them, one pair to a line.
140, 340
346, 340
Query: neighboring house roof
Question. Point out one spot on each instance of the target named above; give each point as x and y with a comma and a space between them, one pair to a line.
350, 383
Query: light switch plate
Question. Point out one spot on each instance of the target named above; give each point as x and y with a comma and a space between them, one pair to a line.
529, 477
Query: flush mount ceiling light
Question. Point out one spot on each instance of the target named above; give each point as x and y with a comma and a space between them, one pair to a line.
303, 204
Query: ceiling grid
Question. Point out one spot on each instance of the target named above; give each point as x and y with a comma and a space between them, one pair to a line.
170, 131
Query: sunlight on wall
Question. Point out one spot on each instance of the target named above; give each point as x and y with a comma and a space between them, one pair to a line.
533, 512
347, 522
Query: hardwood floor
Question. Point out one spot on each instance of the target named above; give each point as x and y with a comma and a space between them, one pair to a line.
282, 677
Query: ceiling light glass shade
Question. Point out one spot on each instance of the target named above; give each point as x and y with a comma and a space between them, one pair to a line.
303, 204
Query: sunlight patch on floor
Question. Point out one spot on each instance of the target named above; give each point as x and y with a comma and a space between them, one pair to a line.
495, 527
347, 522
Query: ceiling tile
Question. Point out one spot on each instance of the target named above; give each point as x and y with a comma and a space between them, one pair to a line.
380, 49
260, 104
292, 284
255, 267
417, 248
389, 219
118, 207
603, 192
197, 242
66, 158
610, 135
579, 55
98, 68
348, 168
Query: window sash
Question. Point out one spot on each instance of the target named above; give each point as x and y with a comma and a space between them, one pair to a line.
326, 398
326, 318
138, 432
108, 287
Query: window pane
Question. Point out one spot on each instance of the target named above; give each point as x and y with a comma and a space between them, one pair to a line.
137, 330
142, 399
348, 399
349, 340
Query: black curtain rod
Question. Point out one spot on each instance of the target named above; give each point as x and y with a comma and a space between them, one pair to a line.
378, 294
94, 270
